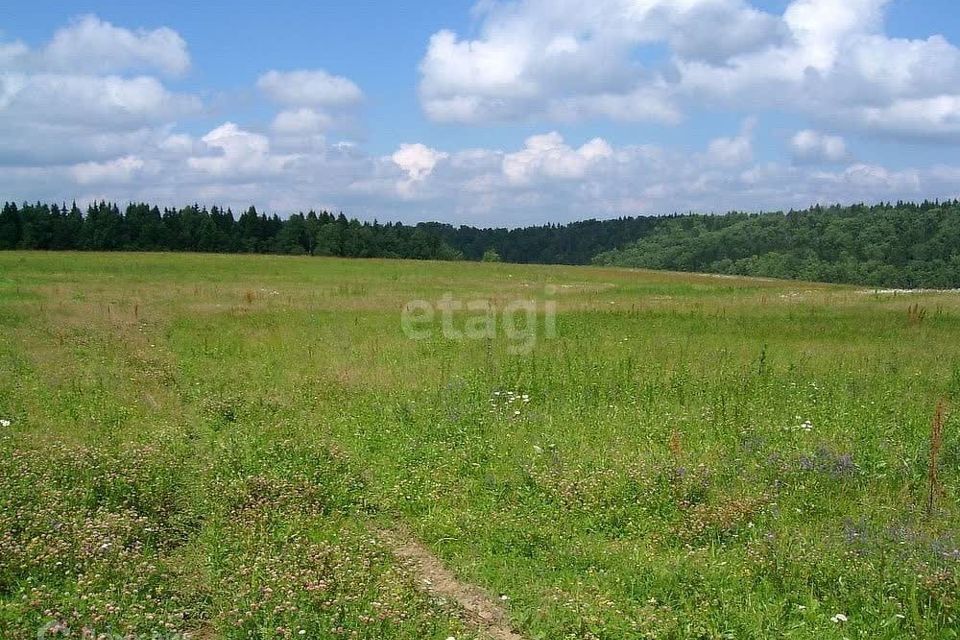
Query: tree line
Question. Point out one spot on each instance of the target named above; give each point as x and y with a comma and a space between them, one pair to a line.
890, 245
141, 227
104, 226
899, 245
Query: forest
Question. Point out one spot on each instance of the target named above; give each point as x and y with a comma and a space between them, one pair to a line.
891, 245
141, 227
897, 245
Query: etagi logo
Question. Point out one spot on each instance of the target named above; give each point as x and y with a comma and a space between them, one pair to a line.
480, 319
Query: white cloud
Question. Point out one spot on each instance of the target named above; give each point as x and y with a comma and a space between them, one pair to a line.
116, 171
732, 152
821, 27
112, 101
91, 45
241, 154
936, 118
417, 160
105, 127
813, 146
545, 179
69, 100
548, 156
560, 60
564, 60
309, 88
301, 121
179, 144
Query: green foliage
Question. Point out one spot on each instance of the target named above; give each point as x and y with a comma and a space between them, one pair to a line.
573, 243
905, 245
206, 444
141, 227
491, 255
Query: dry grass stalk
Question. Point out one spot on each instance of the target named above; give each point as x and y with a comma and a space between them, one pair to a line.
916, 315
933, 465
676, 447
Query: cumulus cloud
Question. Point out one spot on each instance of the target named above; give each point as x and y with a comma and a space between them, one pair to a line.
548, 156
109, 101
813, 146
121, 170
544, 179
110, 126
301, 121
92, 45
417, 160
570, 60
237, 153
561, 60
309, 88
653, 59
89, 45
84, 95
315, 102
732, 152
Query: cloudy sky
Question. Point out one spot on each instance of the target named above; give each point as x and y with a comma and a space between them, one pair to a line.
486, 112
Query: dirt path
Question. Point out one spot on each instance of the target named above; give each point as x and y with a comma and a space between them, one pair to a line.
480, 608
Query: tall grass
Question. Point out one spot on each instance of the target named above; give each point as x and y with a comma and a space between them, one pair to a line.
691, 457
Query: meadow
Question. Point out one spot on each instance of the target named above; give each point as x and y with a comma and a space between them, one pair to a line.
213, 446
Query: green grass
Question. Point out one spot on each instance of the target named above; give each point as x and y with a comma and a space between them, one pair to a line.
205, 445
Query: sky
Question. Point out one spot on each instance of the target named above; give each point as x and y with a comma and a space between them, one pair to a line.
489, 113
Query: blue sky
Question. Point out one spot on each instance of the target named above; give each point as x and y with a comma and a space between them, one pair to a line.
487, 113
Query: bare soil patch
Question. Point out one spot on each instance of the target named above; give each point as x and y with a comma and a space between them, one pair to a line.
478, 605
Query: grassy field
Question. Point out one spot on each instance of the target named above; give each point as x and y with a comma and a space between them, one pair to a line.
207, 446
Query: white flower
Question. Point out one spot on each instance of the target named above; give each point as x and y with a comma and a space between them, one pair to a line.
5, 423
839, 618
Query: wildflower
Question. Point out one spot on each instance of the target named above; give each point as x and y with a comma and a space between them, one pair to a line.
5, 423
839, 618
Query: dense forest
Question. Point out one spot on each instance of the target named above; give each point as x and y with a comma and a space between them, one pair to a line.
574, 243
902, 245
140, 227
